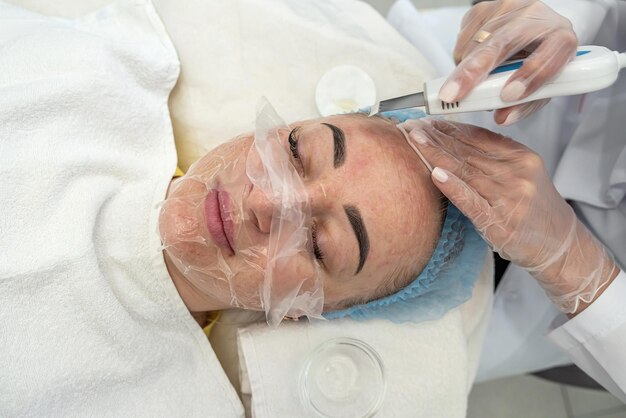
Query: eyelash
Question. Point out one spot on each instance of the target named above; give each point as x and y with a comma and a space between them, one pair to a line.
293, 144
316, 249
293, 147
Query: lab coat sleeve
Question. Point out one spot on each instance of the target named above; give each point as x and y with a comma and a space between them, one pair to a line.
595, 339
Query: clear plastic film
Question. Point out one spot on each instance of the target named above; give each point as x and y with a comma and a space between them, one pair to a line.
237, 226
292, 285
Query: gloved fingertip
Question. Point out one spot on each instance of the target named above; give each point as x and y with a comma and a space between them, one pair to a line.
440, 175
418, 138
514, 116
421, 140
513, 91
410, 125
449, 91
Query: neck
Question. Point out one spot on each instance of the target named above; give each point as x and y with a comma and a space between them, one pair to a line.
195, 300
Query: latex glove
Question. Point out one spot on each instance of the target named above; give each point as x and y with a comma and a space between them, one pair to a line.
515, 26
505, 190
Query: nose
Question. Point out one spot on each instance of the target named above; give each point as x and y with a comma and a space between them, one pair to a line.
262, 209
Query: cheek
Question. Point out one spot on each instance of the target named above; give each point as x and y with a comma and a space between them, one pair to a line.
180, 220
241, 289
236, 281
293, 273
230, 156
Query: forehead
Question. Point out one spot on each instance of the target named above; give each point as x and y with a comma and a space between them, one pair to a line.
387, 181
366, 137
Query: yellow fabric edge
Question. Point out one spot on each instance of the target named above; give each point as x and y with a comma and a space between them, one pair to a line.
213, 318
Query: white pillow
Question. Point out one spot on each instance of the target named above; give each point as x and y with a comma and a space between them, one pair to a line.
232, 53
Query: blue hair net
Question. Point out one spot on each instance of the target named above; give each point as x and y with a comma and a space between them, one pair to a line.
400, 115
447, 280
404, 114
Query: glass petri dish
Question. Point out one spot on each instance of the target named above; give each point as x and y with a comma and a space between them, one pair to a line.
343, 378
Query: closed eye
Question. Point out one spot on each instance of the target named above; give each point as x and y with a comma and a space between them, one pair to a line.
316, 248
293, 144
293, 148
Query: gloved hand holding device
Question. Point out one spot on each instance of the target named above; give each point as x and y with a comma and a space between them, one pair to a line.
493, 31
505, 190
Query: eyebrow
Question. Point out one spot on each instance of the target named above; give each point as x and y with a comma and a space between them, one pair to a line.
339, 139
356, 221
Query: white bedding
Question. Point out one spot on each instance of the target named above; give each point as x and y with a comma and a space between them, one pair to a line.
91, 322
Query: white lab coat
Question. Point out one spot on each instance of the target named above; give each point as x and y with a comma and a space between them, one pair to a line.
583, 146
595, 338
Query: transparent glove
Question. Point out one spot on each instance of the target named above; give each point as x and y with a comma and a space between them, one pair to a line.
494, 31
504, 188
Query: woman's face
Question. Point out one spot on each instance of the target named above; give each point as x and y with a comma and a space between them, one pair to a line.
374, 210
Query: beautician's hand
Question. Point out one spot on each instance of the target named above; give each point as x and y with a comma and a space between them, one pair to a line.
493, 31
505, 190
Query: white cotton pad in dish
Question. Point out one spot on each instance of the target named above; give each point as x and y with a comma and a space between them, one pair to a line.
344, 89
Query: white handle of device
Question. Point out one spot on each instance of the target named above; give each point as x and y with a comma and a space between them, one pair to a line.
593, 68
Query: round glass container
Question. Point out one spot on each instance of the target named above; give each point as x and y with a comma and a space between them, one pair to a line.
343, 378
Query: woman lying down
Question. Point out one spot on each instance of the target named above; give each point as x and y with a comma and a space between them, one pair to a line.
334, 216
326, 218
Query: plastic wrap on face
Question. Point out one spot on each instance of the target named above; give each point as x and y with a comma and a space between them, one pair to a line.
292, 285
205, 230
237, 226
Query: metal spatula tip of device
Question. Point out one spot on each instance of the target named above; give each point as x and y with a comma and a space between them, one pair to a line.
403, 102
373, 109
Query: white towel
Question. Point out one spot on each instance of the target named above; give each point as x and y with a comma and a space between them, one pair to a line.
429, 367
91, 324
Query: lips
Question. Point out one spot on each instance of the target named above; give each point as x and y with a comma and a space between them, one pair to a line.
219, 224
